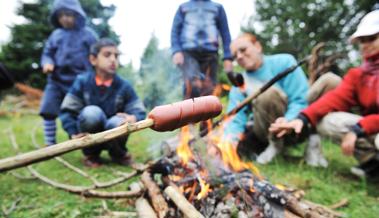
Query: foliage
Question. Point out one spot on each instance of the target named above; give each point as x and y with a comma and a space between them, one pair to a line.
296, 26
21, 54
160, 80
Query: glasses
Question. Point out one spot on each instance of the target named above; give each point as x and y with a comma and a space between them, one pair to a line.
239, 51
366, 39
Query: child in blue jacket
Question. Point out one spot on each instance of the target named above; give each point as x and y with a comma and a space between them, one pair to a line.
64, 56
99, 101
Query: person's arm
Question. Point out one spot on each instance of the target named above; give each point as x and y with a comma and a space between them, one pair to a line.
342, 98
235, 125
91, 38
71, 106
223, 27
296, 87
176, 29
47, 58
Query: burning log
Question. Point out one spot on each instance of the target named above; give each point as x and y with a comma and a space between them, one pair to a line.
161, 118
159, 204
144, 210
181, 202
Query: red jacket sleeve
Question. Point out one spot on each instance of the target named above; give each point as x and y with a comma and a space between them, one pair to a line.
342, 98
370, 123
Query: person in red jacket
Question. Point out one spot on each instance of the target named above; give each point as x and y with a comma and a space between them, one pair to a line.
331, 114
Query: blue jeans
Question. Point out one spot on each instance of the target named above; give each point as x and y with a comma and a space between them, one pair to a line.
92, 119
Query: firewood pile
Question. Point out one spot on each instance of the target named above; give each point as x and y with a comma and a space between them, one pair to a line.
184, 183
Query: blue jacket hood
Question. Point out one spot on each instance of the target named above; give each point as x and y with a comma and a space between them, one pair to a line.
74, 5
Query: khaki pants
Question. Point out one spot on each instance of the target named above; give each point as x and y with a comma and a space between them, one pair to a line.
336, 124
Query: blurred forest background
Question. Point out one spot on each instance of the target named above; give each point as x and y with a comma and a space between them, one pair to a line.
294, 26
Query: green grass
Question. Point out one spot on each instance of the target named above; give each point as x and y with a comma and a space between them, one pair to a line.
324, 186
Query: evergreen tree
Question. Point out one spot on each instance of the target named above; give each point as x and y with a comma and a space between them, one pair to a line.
295, 26
160, 81
22, 54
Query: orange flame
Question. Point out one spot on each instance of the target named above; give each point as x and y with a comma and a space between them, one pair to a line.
183, 150
225, 87
205, 189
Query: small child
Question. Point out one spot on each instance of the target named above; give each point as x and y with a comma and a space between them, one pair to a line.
65, 55
99, 101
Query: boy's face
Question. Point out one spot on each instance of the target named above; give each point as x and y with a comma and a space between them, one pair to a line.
66, 19
106, 61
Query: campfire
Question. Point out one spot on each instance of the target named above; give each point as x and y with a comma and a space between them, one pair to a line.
207, 178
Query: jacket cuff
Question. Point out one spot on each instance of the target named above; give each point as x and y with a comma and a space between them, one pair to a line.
303, 118
358, 130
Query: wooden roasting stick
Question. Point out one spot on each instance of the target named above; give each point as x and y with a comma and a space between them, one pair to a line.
161, 118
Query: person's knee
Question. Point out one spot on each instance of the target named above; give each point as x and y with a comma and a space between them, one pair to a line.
91, 118
114, 122
330, 80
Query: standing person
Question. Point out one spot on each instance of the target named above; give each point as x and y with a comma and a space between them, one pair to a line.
331, 115
195, 35
283, 101
64, 56
99, 101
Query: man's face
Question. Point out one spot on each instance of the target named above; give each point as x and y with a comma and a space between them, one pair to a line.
66, 19
369, 45
247, 54
106, 61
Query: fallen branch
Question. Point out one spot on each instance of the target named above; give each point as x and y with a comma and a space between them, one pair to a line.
159, 204
181, 202
144, 209
7, 212
342, 203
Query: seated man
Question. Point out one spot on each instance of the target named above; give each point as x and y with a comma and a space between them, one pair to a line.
101, 100
280, 103
331, 115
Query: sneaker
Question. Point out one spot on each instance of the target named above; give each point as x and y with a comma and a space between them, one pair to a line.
358, 172
92, 161
126, 160
313, 153
270, 152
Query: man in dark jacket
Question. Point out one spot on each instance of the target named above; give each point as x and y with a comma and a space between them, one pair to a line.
101, 100
64, 56
195, 33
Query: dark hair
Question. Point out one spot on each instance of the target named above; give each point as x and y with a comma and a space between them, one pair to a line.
104, 42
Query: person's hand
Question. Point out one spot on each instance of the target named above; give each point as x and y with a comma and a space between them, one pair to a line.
348, 143
48, 68
127, 117
228, 66
79, 135
282, 127
178, 58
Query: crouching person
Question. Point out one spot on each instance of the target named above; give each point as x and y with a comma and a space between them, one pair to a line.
331, 114
280, 103
99, 101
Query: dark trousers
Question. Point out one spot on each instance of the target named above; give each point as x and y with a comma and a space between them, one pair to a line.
92, 119
199, 73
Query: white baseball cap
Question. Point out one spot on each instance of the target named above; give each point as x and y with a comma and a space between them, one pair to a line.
368, 26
